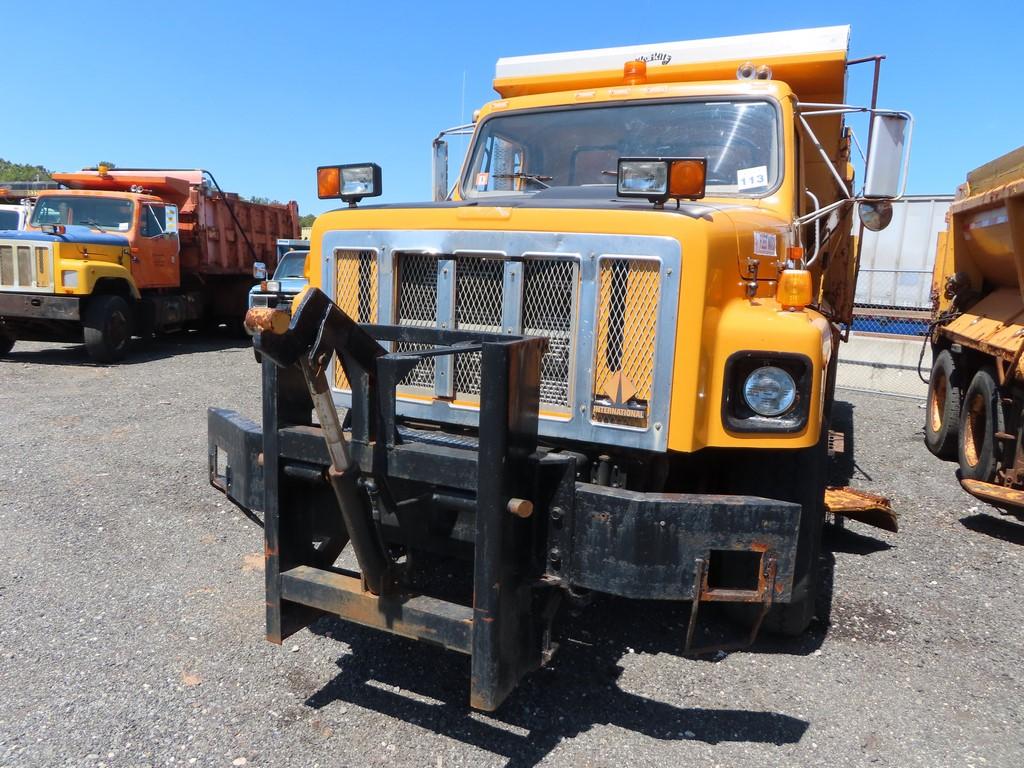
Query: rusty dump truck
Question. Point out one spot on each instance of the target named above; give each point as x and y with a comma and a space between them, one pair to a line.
976, 388
601, 362
117, 253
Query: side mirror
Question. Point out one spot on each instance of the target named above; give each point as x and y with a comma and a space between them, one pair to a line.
171, 220
440, 169
888, 155
259, 270
875, 214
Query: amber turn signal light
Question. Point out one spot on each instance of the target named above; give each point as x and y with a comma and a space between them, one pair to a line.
794, 290
686, 178
328, 181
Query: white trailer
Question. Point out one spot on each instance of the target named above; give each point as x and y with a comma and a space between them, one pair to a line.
896, 263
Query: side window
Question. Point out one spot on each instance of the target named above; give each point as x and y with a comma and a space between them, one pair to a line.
502, 166
154, 220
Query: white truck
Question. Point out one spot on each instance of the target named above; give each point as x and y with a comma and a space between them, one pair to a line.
14, 215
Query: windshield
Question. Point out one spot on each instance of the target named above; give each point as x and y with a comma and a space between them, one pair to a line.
291, 265
8, 219
531, 151
107, 213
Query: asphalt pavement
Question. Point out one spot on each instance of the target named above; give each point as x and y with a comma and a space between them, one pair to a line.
131, 616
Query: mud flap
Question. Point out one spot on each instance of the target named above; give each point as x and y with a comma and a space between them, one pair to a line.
868, 508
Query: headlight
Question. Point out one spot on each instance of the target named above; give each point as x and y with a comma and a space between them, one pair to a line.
349, 182
769, 391
644, 178
69, 278
661, 178
273, 286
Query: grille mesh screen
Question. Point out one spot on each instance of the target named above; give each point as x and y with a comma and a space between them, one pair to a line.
416, 305
479, 290
628, 292
627, 315
43, 267
6, 265
355, 293
549, 309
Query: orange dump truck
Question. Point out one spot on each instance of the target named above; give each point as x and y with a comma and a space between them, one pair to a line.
975, 413
125, 252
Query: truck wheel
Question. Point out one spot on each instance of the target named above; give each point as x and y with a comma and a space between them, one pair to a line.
108, 328
6, 342
942, 420
978, 425
798, 476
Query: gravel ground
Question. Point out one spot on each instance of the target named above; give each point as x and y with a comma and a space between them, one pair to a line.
131, 617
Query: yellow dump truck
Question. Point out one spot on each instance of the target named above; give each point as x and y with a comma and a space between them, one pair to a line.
601, 361
975, 392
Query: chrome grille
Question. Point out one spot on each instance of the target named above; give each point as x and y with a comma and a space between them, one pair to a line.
606, 303
479, 289
549, 309
26, 267
416, 305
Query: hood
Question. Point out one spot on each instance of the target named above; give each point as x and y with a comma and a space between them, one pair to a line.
74, 233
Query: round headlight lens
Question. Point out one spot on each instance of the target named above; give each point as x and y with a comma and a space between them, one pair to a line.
769, 391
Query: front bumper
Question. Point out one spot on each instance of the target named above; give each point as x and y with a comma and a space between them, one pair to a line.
33, 306
664, 546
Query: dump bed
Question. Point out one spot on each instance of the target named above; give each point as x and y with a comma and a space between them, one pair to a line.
214, 226
980, 258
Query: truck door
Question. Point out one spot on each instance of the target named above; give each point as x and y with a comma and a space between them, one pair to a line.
158, 263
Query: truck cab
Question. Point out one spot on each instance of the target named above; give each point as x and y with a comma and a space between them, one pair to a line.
14, 215
133, 252
602, 361
142, 224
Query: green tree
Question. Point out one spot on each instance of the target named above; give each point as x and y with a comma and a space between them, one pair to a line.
22, 172
307, 220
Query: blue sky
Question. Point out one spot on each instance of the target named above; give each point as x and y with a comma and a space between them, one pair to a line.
260, 93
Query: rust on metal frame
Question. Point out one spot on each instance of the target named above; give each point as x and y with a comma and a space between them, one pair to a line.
267, 319
999, 495
764, 594
862, 506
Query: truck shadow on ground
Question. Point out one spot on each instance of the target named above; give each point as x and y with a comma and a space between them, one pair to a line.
184, 343
577, 691
1005, 529
580, 688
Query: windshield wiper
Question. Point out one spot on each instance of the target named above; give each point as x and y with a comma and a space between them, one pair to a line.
94, 224
536, 178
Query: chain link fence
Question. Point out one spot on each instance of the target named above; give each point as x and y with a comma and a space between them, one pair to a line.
893, 302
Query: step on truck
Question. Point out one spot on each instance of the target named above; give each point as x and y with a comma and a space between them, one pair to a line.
975, 409
601, 362
124, 252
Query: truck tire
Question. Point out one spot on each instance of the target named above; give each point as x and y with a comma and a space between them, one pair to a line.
942, 415
798, 476
979, 422
108, 328
6, 342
